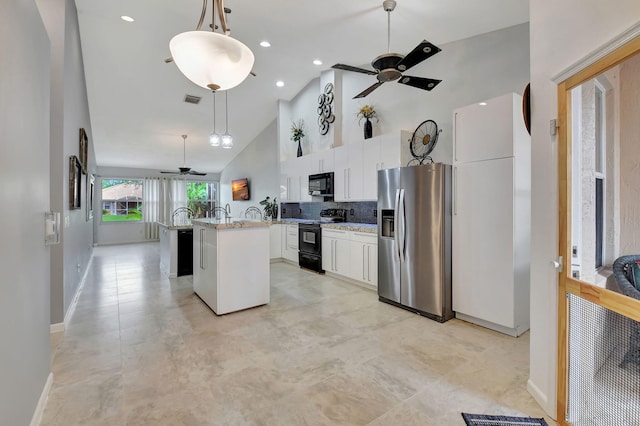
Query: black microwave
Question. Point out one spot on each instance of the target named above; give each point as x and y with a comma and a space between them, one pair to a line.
321, 184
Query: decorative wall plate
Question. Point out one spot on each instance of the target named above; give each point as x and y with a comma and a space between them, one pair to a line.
325, 109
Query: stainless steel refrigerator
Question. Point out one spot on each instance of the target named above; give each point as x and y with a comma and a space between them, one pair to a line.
414, 239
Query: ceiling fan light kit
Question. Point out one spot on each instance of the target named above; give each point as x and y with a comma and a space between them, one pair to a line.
214, 61
390, 66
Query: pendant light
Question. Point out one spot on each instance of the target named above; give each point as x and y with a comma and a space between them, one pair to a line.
212, 60
214, 137
227, 140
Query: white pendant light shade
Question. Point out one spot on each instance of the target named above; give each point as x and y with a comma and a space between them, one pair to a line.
214, 139
227, 141
211, 60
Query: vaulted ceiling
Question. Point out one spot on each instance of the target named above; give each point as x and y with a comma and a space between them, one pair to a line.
136, 101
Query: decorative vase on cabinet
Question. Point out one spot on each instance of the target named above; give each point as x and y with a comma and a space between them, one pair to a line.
299, 149
368, 129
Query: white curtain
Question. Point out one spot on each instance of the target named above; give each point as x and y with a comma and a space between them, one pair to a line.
161, 197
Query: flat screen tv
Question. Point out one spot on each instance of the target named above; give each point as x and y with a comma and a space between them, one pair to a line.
240, 189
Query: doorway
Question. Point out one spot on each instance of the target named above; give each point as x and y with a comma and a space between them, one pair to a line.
599, 171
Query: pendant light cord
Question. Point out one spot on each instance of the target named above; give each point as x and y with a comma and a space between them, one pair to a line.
226, 114
388, 32
214, 111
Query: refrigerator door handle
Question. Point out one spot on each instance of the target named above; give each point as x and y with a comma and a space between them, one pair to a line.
401, 249
396, 234
455, 191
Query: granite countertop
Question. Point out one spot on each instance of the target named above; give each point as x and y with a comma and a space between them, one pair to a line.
231, 223
172, 227
369, 228
288, 220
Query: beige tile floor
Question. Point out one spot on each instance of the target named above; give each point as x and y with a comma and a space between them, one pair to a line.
142, 349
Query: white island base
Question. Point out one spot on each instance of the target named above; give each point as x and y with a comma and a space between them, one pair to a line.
231, 264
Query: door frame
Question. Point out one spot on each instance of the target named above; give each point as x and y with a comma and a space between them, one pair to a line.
621, 51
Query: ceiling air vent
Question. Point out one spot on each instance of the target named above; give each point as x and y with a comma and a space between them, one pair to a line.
190, 99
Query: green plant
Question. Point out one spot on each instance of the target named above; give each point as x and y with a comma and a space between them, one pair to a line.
297, 130
270, 207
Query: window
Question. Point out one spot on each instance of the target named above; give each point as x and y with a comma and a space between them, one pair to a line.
121, 200
600, 172
201, 198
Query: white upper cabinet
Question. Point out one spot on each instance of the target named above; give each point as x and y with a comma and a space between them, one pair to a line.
379, 153
322, 162
483, 132
348, 172
294, 179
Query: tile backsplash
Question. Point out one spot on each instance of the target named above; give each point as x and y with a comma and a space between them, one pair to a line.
358, 212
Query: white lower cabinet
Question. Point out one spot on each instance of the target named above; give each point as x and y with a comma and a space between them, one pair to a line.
275, 241
363, 251
351, 254
290, 242
335, 251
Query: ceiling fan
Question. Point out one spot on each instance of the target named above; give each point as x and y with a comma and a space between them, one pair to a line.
390, 66
184, 170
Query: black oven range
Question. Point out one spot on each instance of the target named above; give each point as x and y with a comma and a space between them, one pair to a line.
310, 238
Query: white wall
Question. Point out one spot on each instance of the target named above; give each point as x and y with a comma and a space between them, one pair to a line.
24, 184
69, 113
472, 70
126, 232
258, 162
561, 34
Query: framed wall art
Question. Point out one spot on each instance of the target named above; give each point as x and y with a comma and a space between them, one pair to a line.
84, 150
75, 183
91, 180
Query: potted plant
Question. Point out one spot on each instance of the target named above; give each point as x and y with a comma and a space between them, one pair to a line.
297, 133
367, 112
270, 207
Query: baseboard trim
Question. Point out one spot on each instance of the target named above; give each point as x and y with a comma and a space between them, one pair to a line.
513, 332
56, 328
116, 243
541, 398
42, 402
351, 281
74, 302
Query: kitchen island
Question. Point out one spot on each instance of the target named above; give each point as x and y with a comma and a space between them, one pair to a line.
231, 263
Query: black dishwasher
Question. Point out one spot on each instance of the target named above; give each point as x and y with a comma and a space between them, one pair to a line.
185, 252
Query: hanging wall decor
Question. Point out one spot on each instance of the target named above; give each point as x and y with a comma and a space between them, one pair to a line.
75, 183
325, 109
84, 151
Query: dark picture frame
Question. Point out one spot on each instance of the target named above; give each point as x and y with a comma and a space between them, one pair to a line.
84, 150
75, 183
91, 181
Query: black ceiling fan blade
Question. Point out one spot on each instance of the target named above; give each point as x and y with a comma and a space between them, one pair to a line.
171, 173
193, 172
419, 82
368, 90
354, 69
423, 51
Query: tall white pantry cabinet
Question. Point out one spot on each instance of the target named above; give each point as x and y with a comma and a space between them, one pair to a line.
491, 215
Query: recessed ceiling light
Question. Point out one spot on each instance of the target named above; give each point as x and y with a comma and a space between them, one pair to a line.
265, 43
279, 83
317, 62
127, 18
482, 103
